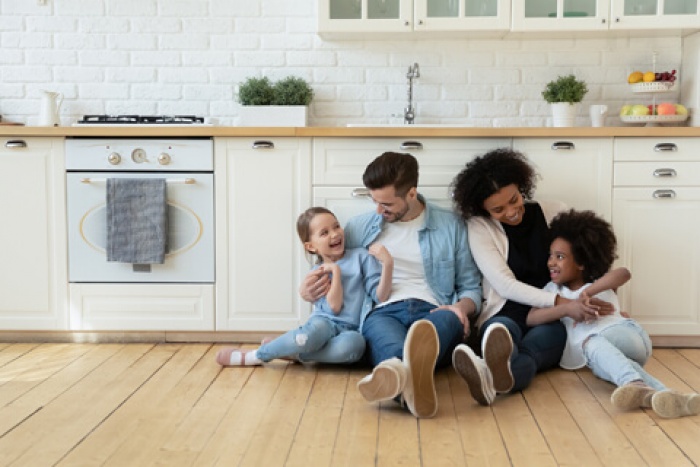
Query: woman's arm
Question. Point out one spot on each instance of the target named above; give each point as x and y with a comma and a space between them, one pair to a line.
387, 261
334, 297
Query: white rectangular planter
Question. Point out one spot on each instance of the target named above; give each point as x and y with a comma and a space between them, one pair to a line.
273, 115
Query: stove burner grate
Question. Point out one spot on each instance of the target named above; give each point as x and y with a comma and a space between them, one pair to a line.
141, 119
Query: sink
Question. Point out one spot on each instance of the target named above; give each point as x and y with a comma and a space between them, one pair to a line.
415, 125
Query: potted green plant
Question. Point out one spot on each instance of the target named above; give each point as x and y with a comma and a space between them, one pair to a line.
283, 103
565, 95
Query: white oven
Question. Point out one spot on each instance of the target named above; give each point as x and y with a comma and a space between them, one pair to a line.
187, 167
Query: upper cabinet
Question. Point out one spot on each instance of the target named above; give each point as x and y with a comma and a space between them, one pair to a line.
338, 16
594, 15
501, 16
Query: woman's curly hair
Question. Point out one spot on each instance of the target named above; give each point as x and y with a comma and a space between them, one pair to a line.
592, 241
487, 174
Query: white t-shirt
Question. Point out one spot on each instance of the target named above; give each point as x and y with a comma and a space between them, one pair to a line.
401, 239
576, 333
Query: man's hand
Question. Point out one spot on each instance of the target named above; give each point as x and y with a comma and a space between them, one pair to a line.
462, 309
315, 285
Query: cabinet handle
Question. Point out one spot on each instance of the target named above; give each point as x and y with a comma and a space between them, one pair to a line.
411, 145
360, 193
15, 144
568, 145
263, 145
658, 194
665, 147
665, 173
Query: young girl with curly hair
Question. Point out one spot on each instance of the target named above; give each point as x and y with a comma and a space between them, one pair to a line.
614, 347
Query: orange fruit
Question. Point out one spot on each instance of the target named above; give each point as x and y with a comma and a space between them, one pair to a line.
634, 77
648, 77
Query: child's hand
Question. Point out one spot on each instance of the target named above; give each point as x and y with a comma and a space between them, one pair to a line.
380, 252
330, 269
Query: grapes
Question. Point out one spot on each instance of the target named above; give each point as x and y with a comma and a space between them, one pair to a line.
665, 76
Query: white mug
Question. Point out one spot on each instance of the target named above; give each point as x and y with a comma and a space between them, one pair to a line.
598, 113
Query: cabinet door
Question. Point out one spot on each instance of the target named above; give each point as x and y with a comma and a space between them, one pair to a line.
655, 14
342, 161
657, 233
262, 185
575, 171
338, 16
33, 259
560, 15
462, 15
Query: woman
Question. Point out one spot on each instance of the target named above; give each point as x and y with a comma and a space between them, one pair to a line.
509, 239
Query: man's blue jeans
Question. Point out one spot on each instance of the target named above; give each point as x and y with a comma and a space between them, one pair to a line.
539, 349
385, 329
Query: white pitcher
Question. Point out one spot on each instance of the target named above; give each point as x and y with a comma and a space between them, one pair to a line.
50, 106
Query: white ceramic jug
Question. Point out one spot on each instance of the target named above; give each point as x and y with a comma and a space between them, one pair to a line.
50, 106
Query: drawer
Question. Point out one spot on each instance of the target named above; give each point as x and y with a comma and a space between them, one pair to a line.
656, 174
342, 161
657, 149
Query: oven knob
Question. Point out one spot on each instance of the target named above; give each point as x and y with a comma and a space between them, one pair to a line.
138, 155
164, 158
114, 158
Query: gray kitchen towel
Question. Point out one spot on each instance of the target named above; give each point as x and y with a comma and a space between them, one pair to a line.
137, 220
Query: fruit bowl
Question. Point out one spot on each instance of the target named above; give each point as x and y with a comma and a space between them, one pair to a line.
654, 86
653, 118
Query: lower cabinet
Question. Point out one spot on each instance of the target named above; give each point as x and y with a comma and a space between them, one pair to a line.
262, 185
656, 203
33, 259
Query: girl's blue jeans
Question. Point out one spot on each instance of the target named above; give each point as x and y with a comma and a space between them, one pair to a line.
539, 349
618, 353
385, 329
320, 340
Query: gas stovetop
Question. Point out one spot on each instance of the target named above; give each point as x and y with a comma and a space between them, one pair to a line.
155, 120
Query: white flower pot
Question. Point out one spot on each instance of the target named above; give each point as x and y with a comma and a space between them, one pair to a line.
273, 115
564, 114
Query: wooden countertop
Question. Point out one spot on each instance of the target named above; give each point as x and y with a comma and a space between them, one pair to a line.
224, 131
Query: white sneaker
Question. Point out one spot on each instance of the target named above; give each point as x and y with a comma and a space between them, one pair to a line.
386, 381
475, 372
420, 352
497, 347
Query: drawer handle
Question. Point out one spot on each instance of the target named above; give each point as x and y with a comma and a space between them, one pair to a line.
263, 145
360, 193
665, 173
568, 145
665, 147
658, 194
15, 144
411, 145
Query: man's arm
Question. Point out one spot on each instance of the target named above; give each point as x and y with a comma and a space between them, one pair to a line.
315, 285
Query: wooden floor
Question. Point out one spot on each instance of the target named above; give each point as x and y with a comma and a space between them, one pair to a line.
172, 405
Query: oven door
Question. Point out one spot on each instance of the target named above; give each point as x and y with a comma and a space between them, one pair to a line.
190, 235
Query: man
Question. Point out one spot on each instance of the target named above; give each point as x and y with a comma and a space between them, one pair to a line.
435, 289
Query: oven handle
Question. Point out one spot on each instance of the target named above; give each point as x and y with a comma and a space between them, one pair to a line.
186, 181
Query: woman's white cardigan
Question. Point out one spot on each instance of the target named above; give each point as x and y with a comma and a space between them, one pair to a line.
489, 246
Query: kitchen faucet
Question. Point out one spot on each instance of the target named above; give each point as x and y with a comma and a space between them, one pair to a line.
409, 113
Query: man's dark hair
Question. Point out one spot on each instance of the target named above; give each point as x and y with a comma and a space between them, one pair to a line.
392, 169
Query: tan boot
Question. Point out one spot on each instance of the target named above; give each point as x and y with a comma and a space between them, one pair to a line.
420, 354
386, 381
673, 404
632, 396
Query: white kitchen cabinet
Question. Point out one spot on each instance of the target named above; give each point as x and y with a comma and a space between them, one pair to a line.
601, 15
576, 171
382, 16
33, 261
262, 185
656, 202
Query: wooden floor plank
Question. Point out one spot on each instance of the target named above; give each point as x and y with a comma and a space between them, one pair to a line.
482, 442
80, 409
568, 443
12, 352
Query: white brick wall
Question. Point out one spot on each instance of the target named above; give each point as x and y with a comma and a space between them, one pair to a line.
187, 56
